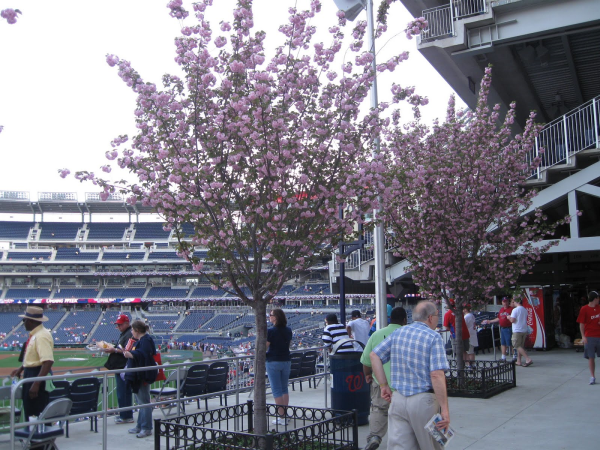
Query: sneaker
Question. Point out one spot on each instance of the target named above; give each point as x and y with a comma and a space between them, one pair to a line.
144, 433
134, 431
373, 443
119, 420
280, 421
592, 380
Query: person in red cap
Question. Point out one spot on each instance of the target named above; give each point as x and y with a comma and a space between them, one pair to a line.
505, 328
116, 361
450, 324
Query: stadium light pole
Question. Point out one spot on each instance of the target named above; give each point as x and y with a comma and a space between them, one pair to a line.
353, 8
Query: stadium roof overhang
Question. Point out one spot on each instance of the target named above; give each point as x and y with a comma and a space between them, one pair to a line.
67, 203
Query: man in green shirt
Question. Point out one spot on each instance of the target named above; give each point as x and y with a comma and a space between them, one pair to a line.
378, 420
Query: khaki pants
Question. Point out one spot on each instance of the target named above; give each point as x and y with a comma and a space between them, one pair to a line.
378, 420
407, 419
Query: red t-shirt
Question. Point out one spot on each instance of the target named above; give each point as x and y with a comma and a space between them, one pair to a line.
503, 315
590, 318
450, 322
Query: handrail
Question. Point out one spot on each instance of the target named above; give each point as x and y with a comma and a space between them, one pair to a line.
236, 388
564, 137
441, 18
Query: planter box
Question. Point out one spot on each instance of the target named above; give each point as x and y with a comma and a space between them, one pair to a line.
231, 428
485, 380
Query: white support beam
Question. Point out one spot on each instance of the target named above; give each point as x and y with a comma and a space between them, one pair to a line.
574, 224
563, 187
589, 189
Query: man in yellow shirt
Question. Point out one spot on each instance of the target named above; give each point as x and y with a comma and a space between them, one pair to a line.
37, 361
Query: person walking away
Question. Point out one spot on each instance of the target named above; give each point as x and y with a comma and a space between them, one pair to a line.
142, 355
117, 361
505, 327
473, 341
418, 362
38, 359
518, 318
334, 332
589, 324
450, 324
378, 420
358, 329
279, 362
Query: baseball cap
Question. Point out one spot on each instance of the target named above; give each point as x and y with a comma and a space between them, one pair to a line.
122, 319
356, 313
506, 298
451, 301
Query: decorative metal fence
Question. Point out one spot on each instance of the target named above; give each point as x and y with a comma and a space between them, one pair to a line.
232, 427
483, 380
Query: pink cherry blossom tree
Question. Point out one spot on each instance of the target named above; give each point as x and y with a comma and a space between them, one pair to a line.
455, 199
257, 155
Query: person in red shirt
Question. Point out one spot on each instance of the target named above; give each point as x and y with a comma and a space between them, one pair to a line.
450, 324
505, 327
589, 324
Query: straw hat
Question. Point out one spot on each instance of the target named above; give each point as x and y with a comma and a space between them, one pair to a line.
34, 313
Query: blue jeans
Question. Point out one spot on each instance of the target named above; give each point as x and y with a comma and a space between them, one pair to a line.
124, 397
279, 376
145, 415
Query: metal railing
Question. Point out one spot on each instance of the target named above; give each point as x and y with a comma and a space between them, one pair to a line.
564, 137
441, 18
441, 23
355, 259
240, 380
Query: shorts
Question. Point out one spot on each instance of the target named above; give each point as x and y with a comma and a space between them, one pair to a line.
279, 376
506, 336
518, 339
466, 344
470, 349
592, 348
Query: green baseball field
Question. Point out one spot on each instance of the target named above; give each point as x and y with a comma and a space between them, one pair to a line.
82, 360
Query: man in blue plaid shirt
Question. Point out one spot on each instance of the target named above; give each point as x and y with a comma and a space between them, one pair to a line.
418, 362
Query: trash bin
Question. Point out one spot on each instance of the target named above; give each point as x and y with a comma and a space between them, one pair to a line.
349, 390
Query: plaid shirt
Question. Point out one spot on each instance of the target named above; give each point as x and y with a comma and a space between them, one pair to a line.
414, 351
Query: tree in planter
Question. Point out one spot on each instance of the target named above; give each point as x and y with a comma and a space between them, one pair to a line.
258, 156
454, 198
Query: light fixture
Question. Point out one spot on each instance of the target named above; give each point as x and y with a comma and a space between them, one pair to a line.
527, 53
543, 55
352, 8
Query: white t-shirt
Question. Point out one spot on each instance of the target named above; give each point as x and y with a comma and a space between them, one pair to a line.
360, 330
519, 313
470, 321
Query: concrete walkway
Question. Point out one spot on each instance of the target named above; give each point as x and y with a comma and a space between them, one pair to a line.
552, 407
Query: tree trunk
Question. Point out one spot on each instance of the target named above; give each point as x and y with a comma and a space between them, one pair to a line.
260, 397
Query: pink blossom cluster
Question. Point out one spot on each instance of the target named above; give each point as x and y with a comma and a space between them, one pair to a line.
415, 27
177, 9
10, 15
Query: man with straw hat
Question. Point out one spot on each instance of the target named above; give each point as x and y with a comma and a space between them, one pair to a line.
37, 361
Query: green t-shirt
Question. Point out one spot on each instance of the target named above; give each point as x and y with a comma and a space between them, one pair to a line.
375, 339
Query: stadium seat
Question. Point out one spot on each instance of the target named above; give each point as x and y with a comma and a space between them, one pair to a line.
166, 392
84, 393
44, 436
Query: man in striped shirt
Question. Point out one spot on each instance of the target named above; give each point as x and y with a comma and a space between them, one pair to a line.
418, 362
335, 332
